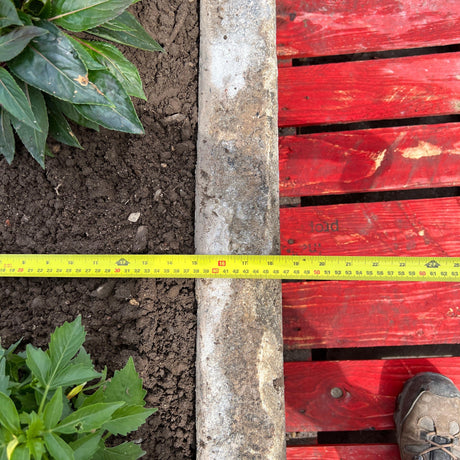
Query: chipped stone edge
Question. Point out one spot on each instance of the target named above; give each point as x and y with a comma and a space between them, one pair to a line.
240, 391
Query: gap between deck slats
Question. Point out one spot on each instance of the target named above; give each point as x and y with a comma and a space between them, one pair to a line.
369, 391
348, 92
399, 158
322, 28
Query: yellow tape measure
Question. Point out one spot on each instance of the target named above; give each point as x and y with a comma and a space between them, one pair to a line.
231, 266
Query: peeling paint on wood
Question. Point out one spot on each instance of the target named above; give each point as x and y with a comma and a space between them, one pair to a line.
329, 27
370, 160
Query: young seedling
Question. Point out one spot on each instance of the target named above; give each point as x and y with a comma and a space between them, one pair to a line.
51, 410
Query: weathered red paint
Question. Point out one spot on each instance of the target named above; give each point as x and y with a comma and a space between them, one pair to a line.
338, 314
344, 451
427, 227
346, 92
330, 27
399, 158
369, 389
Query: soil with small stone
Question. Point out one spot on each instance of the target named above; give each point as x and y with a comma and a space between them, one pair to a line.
82, 203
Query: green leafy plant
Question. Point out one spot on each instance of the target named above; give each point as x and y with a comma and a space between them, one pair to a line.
48, 412
50, 73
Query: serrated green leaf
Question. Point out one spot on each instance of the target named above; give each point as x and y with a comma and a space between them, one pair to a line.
20, 453
80, 15
14, 100
125, 451
57, 447
127, 419
123, 70
34, 140
85, 56
87, 418
69, 111
8, 14
9, 417
53, 409
60, 130
126, 385
65, 343
38, 362
13, 43
74, 374
7, 143
126, 30
96, 397
120, 116
85, 447
50, 63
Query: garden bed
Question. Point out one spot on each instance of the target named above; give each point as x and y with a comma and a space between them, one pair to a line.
81, 204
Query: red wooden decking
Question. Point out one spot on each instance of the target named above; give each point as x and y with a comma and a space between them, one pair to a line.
323, 84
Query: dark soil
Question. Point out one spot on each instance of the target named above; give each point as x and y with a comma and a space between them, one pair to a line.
81, 204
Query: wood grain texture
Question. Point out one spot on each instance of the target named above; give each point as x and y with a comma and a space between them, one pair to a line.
369, 314
347, 92
369, 391
344, 452
427, 227
398, 158
330, 27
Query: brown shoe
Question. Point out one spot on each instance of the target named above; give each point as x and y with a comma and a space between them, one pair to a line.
427, 418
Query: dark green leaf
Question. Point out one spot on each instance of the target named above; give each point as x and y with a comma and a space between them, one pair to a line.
90, 62
38, 362
13, 43
96, 397
85, 447
7, 146
87, 418
126, 30
34, 140
60, 129
14, 100
25, 18
50, 63
125, 451
53, 409
121, 115
126, 385
69, 111
127, 419
57, 447
118, 65
8, 14
9, 417
79, 15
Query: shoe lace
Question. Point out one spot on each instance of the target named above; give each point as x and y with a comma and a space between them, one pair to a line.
437, 446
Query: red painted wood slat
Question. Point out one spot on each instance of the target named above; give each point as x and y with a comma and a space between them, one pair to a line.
370, 160
369, 391
369, 90
396, 228
369, 314
344, 452
329, 27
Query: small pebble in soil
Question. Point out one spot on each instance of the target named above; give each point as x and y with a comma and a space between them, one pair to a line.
103, 291
134, 217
